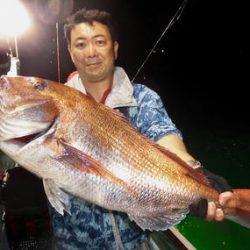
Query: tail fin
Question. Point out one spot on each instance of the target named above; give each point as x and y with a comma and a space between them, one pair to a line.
240, 211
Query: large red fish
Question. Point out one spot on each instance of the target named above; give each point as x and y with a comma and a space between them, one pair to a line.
79, 146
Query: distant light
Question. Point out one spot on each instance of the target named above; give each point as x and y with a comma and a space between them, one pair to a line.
14, 19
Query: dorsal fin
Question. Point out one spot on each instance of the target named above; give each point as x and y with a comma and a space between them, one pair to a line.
189, 170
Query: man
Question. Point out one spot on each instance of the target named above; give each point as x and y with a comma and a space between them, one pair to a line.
93, 47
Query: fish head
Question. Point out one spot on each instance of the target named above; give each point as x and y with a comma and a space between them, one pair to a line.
27, 106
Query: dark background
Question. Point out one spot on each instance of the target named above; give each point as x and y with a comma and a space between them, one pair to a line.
199, 67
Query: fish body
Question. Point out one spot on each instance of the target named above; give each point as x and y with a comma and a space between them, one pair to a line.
84, 148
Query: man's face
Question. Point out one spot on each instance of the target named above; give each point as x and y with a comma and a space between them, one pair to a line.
92, 51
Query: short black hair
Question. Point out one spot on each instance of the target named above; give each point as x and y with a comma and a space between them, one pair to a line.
89, 16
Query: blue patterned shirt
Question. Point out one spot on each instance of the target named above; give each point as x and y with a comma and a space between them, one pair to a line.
90, 226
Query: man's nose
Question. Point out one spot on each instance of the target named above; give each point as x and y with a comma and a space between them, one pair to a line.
91, 50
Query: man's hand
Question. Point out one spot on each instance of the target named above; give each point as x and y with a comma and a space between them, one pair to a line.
215, 212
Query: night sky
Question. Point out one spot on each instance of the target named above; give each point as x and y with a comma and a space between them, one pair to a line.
199, 66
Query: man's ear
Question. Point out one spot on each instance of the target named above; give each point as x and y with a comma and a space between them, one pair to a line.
69, 49
70, 53
116, 47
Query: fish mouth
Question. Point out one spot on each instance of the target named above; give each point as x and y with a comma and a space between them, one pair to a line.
28, 138
14, 146
31, 137
21, 139
24, 123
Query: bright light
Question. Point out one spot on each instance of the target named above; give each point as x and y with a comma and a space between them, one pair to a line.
14, 19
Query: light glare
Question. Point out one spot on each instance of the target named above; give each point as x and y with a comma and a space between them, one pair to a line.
14, 19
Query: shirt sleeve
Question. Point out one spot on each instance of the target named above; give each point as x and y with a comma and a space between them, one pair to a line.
152, 119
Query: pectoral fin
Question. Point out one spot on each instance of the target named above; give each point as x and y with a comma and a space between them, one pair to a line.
85, 163
57, 198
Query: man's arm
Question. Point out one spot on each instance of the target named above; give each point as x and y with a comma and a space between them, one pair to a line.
175, 144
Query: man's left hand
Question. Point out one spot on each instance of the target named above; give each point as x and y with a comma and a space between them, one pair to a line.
215, 212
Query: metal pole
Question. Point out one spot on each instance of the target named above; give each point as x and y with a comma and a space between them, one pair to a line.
58, 53
16, 48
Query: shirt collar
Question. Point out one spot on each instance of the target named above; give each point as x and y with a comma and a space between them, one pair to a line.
121, 94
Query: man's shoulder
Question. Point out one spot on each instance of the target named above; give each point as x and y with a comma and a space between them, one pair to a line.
143, 92
140, 86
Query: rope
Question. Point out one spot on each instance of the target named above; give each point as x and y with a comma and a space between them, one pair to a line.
118, 241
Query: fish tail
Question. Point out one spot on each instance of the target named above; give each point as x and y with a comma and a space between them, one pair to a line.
239, 207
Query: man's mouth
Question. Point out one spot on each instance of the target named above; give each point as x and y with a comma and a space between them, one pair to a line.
93, 65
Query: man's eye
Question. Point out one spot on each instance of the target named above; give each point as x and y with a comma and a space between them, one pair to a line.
100, 42
80, 45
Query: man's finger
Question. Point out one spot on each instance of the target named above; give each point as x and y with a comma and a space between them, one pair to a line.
211, 211
219, 214
225, 197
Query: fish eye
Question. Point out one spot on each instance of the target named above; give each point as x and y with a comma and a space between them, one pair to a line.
41, 85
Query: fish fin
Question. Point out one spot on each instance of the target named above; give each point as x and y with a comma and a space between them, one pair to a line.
78, 159
160, 223
238, 209
57, 198
188, 170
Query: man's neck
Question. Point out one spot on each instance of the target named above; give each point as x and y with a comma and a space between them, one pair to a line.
97, 89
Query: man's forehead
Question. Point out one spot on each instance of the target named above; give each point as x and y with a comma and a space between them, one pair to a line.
86, 30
